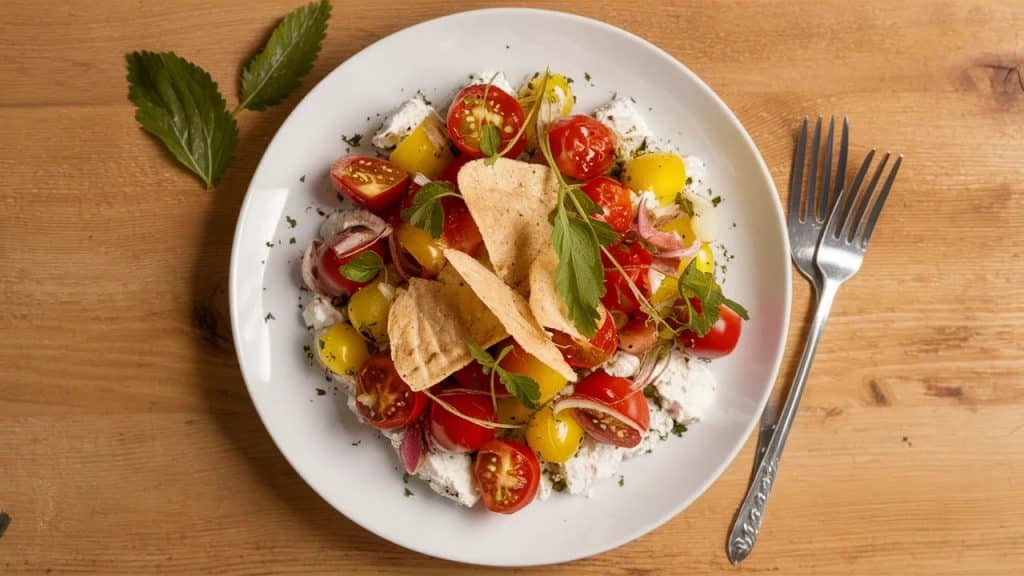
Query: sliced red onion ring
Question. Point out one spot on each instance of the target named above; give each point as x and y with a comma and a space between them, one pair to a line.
309, 273
668, 262
351, 241
652, 365
396, 258
344, 220
579, 402
663, 241
412, 447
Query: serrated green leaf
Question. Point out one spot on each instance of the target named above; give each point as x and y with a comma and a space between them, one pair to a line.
286, 58
585, 202
606, 235
524, 388
426, 211
701, 286
579, 277
490, 140
363, 267
481, 356
179, 103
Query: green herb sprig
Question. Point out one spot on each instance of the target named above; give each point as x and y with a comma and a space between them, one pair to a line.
524, 388
697, 285
180, 104
363, 267
426, 211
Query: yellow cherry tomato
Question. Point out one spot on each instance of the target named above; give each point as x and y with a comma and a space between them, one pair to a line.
424, 150
559, 98
661, 172
425, 250
368, 310
341, 349
556, 437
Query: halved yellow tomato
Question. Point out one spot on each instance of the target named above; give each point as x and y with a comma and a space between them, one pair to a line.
425, 250
368, 310
660, 172
556, 437
424, 150
559, 101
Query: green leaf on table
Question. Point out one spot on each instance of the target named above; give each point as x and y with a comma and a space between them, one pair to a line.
179, 103
286, 58
363, 267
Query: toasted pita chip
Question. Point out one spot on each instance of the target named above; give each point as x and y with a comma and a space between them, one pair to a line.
512, 311
510, 201
428, 327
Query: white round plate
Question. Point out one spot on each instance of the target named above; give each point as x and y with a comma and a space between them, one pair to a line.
346, 463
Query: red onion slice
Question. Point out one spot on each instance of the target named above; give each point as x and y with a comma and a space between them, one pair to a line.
396, 258
579, 402
309, 272
663, 241
411, 449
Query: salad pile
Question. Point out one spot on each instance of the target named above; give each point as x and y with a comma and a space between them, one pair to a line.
517, 295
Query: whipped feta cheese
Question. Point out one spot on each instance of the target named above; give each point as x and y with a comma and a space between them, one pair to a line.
401, 122
500, 81
318, 313
686, 388
450, 475
622, 364
592, 463
705, 221
546, 485
623, 118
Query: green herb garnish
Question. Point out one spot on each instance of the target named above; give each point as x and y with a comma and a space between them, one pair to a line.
702, 287
427, 211
524, 388
363, 267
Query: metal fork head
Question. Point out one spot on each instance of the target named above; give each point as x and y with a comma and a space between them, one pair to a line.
807, 212
842, 247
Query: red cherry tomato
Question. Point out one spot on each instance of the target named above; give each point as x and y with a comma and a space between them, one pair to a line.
635, 260
592, 353
614, 200
373, 183
508, 474
451, 172
330, 262
468, 112
582, 147
460, 230
616, 415
638, 335
383, 398
455, 433
719, 341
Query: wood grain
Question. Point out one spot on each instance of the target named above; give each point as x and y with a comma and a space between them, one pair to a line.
128, 443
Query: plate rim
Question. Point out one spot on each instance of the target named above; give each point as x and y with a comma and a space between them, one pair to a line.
762, 167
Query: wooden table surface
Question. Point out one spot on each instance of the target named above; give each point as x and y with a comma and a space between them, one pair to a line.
128, 443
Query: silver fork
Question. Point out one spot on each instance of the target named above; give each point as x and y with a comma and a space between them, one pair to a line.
839, 254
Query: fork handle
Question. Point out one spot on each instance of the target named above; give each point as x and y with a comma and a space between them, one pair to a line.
748, 520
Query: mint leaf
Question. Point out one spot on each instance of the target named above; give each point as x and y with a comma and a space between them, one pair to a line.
287, 56
524, 388
579, 277
697, 285
606, 235
481, 356
426, 211
588, 205
490, 140
179, 103
363, 267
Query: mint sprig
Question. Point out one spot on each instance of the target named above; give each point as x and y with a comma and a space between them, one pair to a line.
180, 104
524, 388
426, 211
363, 267
697, 285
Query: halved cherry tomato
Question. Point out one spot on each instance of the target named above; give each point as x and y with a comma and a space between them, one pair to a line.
614, 200
638, 335
555, 437
582, 147
469, 112
451, 173
460, 230
472, 377
383, 398
719, 341
508, 474
609, 411
592, 353
635, 260
330, 263
453, 432
373, 183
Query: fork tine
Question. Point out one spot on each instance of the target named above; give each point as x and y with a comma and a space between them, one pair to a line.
796, 178
844, 148
854, 223
882, 197
826, 169
849, 195
812, 173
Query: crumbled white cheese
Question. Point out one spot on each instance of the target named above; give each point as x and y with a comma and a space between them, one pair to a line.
318, 313
686, 388
622, 364
705, 221
546, 485
499, 81
623, 118
401, 122
650, 200
450, 475
592, 463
